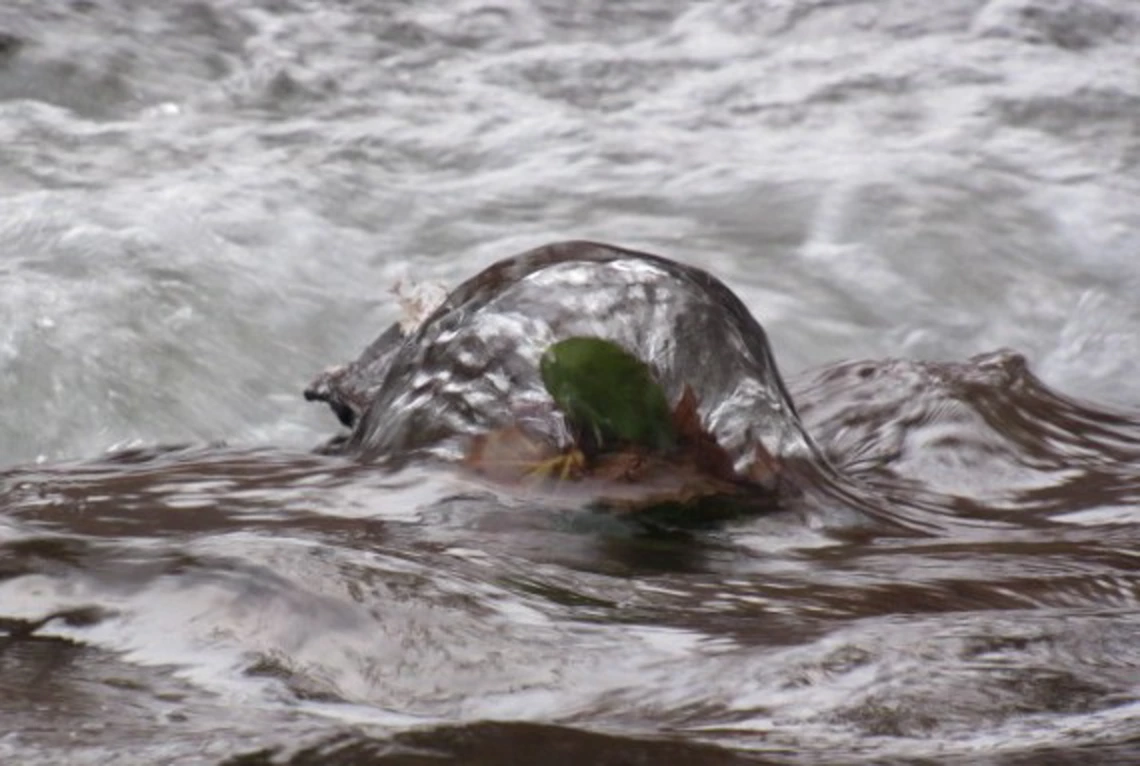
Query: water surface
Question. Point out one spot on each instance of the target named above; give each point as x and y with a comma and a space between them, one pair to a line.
205, 203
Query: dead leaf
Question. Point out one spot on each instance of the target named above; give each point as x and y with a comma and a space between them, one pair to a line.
627, 466
697, 444
508, 454
765, 469
686, 418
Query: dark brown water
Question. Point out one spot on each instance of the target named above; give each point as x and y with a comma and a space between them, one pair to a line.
212, 605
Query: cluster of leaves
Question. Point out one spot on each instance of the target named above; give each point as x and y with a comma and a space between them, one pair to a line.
631, 449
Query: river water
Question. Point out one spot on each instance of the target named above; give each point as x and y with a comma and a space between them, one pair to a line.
205, 203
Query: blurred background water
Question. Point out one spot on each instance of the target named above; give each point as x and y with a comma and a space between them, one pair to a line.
203, 203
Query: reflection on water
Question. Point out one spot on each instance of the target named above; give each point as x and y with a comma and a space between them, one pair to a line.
366, 613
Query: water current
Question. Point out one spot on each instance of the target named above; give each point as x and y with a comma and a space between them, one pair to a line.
933, 209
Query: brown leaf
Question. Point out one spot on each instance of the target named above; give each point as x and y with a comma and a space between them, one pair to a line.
686, 418
627, 466
507, 455
697, 444
765, 469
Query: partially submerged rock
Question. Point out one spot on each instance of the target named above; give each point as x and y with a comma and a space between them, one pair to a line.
468, 380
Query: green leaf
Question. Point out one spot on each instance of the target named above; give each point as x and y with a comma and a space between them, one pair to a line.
609, 396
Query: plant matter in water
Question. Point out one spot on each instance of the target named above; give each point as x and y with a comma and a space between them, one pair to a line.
632, 451
609, 396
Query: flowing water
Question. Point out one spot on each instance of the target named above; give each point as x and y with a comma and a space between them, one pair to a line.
203, 203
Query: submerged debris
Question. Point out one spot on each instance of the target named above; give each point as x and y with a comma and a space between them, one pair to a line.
630, 450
